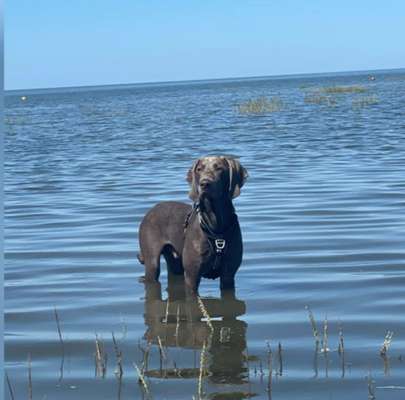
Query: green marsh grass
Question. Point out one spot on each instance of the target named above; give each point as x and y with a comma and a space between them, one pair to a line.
261, 105
331, 95
343, 89
365, 101
317, 98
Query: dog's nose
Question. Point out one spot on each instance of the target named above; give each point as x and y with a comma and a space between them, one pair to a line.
205, 183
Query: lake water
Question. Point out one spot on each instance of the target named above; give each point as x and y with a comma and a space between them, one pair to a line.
322, 217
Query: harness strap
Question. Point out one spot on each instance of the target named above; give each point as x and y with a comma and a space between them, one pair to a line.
217, 241
190, 215
217, 251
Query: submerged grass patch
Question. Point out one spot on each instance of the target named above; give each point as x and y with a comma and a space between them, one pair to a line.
332, 95
317, 98
343, 89
364, 101
261, 105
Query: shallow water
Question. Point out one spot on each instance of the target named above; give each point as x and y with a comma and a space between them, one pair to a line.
322, 217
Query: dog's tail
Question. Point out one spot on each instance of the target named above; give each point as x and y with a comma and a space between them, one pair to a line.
140, 258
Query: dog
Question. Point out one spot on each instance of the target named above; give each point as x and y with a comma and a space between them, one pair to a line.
203, 240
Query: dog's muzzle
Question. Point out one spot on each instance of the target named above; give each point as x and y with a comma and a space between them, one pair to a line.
205, 185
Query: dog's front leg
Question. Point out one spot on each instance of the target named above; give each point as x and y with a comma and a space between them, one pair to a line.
227, 282
192, 280
192, 263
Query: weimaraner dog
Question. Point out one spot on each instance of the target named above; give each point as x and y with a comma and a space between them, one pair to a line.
203, 240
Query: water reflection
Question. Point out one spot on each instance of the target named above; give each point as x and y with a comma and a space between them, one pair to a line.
178, 322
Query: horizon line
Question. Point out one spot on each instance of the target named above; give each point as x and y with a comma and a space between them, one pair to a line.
202, 80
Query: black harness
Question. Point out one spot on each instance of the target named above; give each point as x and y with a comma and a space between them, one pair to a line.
216, 240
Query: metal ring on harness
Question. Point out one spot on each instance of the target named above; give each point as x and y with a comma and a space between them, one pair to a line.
220, 245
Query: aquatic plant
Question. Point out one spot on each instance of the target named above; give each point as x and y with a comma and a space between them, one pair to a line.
261, 105
275, 364
387, 342
270, 367
329, 95
142, 380
59, 329
202, 370
325, 347
162, 352
29, 377
100, 358
317, 98
365, 101
280, 359
10, 387
371, 387
205, 313
145, 358
313, 325
167, 312
343, 89
176, 334
118, 354
341, 348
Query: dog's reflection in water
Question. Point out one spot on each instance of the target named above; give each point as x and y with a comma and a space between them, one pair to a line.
179, 322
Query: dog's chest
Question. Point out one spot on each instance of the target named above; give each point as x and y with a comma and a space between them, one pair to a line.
203, 248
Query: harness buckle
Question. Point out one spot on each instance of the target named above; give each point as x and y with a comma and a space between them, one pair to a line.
220, 245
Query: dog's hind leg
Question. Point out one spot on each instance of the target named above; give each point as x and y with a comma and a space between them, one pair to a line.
152, 267
151, 246
173, 260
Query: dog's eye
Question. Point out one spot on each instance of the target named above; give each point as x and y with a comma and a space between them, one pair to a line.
199, 169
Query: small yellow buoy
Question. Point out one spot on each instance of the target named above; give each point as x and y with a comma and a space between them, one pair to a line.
23, 98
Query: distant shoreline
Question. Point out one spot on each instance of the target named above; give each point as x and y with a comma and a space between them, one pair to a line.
67, 89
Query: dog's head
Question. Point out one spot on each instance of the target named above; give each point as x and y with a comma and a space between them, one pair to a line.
216, 177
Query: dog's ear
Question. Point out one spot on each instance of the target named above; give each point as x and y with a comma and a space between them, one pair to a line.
237, 176
193, 194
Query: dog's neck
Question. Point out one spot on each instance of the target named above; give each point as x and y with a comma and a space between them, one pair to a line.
218, 213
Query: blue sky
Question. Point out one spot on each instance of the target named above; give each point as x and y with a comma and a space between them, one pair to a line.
53, 43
